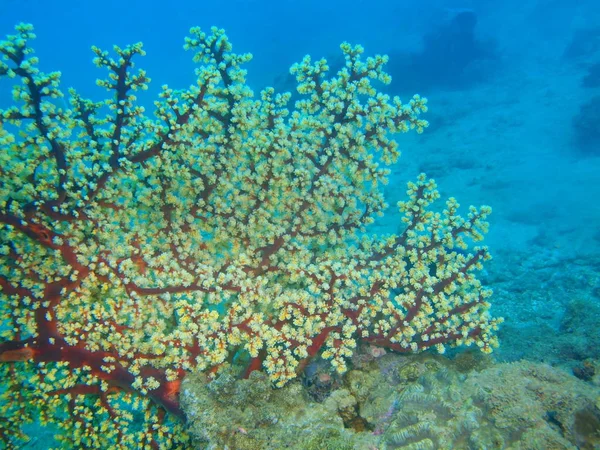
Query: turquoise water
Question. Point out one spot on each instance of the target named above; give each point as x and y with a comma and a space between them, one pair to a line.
514, 111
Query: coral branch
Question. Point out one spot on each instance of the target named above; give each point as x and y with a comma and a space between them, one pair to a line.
227, 229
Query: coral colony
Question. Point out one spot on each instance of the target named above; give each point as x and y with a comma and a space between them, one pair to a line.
225, 229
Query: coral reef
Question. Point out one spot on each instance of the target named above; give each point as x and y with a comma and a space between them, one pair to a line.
250, 414
585, 127
534, 404
401, 402
452, 56
224, 229
584, 44
555, 321
592, 77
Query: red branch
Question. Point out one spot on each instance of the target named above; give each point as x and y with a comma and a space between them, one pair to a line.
77, 357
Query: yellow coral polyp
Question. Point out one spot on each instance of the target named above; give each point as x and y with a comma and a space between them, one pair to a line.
175, 241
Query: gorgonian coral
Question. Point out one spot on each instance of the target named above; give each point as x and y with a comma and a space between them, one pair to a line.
224, 228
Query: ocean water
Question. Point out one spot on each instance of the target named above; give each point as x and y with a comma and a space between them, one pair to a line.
513, 92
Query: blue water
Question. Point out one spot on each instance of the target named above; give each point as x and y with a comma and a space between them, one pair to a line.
513, 122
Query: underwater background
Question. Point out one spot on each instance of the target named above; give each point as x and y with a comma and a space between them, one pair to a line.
514, 111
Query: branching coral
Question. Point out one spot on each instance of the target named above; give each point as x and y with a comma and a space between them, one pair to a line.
135, 248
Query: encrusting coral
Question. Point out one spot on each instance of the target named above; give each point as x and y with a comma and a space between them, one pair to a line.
513, 406
224, 229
